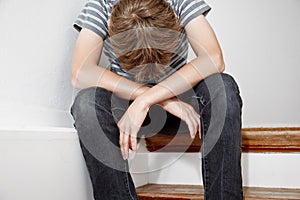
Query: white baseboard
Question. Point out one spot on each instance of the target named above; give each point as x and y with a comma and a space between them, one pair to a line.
42, 163
47, 163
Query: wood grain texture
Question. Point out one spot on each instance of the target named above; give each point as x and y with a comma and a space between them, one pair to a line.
195, 192
253, 140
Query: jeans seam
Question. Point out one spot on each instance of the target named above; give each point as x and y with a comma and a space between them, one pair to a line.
127, 183
205, 173
222, 172
206, 177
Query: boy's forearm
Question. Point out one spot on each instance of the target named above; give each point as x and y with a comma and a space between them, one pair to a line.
95, 76
182, 80
127, 89
177, 83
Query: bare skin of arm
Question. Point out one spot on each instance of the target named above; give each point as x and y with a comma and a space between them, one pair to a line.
87, 73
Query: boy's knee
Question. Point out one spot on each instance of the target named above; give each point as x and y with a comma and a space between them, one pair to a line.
234, 101
222, 90
87, 98
82, 99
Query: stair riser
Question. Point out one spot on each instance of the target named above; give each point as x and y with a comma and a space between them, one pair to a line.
276, 170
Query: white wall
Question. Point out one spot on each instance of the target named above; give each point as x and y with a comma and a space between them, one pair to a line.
37, 42
260, 40
261, 44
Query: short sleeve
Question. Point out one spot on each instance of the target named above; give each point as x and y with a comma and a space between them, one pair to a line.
93, 17
190, 9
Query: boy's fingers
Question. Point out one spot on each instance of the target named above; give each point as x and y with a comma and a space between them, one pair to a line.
133, 143
125, 146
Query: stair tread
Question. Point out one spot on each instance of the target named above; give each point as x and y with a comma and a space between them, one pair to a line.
253, 140
195, 192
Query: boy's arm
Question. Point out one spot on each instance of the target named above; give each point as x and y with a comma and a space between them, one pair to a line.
209, 60
87, 73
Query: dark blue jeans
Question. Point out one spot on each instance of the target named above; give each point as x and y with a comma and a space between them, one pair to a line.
96, 112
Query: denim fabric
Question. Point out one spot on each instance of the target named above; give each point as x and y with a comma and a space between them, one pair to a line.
96, 112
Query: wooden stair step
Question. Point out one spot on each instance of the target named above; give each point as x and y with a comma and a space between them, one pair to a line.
253, 140
195, 192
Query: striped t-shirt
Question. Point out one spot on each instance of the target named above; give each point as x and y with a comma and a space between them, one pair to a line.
95, 14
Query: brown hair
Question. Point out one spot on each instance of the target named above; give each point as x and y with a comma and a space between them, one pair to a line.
144, 35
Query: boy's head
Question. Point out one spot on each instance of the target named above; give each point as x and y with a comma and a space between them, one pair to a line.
144, 35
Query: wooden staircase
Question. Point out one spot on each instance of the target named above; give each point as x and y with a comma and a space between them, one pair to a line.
195, 192
260, 140
253, 140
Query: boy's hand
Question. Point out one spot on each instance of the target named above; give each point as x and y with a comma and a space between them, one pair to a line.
186, 113
130, 124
